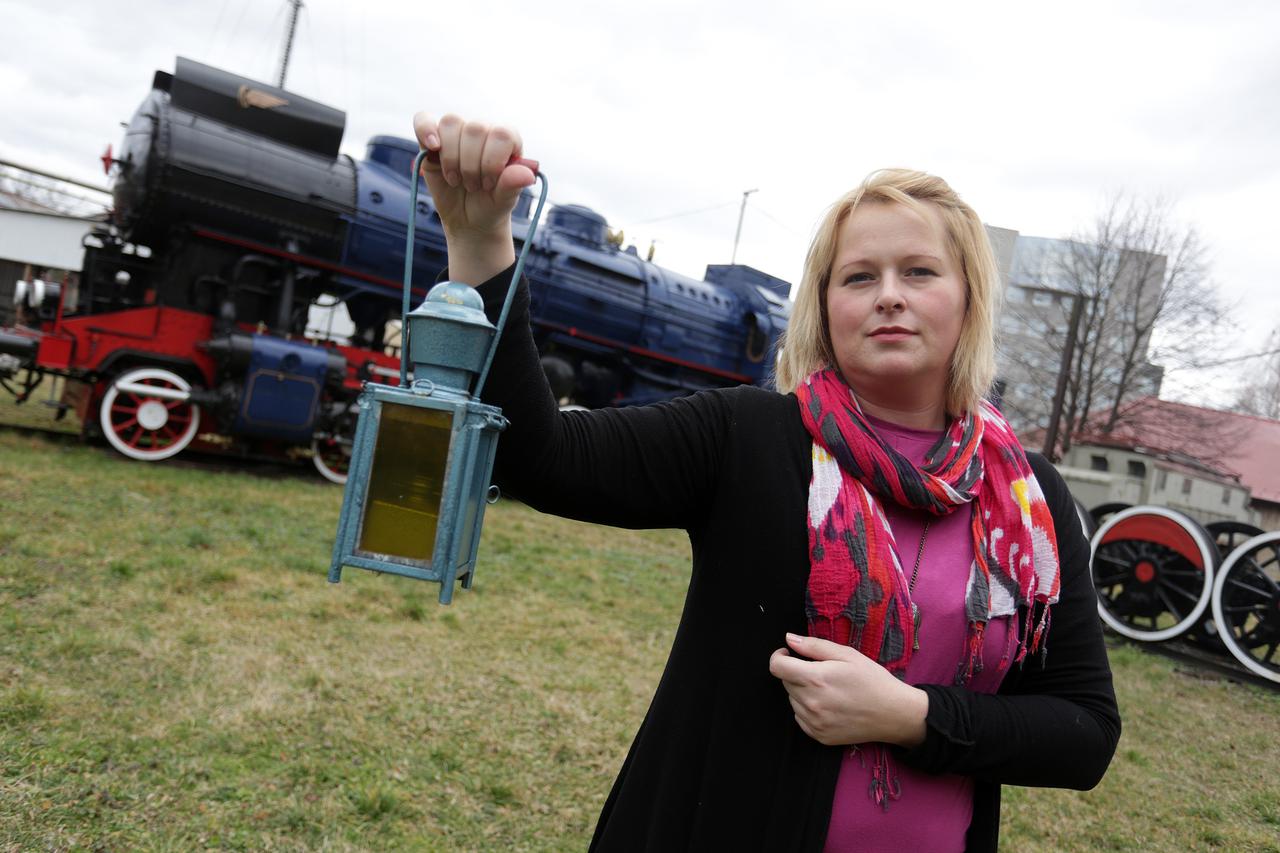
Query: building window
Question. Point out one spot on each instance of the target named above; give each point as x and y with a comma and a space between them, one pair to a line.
1137, 469
1162, 478
1186, 485
1226, 496
1099, 463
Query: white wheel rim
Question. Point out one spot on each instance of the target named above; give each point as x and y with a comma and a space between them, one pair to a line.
1208, 550
1225, 633
325, 471
148, 428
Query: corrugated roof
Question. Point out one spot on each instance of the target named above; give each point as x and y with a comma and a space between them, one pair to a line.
1244, 446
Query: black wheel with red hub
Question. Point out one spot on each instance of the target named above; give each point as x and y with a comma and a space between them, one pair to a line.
1153, 571
1246, 605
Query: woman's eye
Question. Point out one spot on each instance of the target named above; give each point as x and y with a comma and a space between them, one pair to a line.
858, 278
921, 271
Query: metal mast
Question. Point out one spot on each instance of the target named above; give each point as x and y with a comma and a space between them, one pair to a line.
288, 40
741, 212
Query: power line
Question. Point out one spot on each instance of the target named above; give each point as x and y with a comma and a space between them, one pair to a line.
683, 213
1232, 360
776, 220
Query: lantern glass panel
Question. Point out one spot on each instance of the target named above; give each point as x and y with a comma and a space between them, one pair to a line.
402, 507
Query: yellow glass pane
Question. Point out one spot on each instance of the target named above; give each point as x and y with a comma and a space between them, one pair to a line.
402, 507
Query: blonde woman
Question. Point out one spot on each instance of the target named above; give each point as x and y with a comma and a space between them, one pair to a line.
889, 614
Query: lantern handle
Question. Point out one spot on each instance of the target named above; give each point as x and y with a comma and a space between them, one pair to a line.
408, 268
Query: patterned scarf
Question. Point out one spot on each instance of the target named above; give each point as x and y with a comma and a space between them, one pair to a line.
858, 594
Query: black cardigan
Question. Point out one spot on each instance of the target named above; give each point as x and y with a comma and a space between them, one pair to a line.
719, 761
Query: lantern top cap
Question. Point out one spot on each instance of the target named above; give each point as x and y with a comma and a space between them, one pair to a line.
453, 300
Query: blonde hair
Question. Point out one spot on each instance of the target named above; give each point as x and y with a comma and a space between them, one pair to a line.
806, 344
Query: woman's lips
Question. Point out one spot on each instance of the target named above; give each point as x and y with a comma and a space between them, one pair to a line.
892, 333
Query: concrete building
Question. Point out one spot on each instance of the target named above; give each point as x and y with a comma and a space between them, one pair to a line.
1043, 279
1115, 473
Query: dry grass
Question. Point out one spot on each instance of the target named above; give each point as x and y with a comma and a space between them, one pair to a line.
176, 674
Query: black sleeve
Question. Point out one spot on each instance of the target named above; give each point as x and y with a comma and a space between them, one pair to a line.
1054, 722
642, 466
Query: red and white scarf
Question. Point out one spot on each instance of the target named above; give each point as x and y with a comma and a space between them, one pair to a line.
858, 594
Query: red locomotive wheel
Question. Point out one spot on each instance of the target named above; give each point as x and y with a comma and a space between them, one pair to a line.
332, 456
147, 414
1153, 571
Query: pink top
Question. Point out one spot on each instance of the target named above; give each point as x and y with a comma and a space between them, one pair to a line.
933, 812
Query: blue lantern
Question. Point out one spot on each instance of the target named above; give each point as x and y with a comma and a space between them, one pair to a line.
421, 463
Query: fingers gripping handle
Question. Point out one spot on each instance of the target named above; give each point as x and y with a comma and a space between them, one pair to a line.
433, 157
424, 154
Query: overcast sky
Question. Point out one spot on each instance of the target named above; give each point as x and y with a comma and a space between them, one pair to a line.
1033, 112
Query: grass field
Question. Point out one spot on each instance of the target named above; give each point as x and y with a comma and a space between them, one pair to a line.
176, 674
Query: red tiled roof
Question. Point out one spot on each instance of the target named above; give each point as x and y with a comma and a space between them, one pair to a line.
1241, 445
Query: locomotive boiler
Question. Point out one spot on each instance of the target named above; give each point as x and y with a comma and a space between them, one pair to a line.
236, 217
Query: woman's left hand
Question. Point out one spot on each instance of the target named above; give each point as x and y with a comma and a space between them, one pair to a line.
840, 696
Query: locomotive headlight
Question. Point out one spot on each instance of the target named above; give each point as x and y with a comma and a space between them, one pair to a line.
420, 467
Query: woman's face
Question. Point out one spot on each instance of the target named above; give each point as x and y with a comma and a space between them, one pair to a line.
895, 302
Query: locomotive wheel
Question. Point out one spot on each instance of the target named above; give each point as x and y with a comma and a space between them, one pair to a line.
1153, 572
333, 440
332, 457
1087, 523
146, 414
1246, 605
1228, 535
1102, 512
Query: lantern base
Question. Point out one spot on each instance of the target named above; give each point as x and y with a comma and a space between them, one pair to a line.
452, 500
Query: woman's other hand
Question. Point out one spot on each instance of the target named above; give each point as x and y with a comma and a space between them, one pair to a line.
474, 191
840, 696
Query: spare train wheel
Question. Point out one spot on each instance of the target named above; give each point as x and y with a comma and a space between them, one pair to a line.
147, 414
1153, 570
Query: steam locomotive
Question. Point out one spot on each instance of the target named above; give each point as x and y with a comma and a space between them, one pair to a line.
235, 218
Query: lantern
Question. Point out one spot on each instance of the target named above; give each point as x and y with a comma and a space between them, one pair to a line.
420, 469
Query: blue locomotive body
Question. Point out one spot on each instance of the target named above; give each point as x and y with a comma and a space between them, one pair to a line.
251, 217
627, 330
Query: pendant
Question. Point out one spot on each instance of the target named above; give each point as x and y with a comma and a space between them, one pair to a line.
915, 621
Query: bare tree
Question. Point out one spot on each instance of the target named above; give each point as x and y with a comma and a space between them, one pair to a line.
1147, 300
1261, 395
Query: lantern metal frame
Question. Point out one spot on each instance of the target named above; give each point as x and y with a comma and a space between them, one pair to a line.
444, 337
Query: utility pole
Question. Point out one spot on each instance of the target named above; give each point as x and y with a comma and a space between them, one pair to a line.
737, 234
1068, 352
288, 40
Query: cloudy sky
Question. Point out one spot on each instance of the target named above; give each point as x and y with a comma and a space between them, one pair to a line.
645, 111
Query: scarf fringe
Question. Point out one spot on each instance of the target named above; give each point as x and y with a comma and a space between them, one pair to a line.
971, 663
885, 786
1035, 634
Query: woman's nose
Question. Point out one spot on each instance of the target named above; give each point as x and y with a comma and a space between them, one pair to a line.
889, 298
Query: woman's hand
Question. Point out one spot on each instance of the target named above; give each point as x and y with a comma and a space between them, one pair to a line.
841, 696
474, 191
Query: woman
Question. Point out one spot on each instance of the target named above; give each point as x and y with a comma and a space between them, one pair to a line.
864, 655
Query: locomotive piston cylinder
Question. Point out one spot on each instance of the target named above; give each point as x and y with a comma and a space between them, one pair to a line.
21, 346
